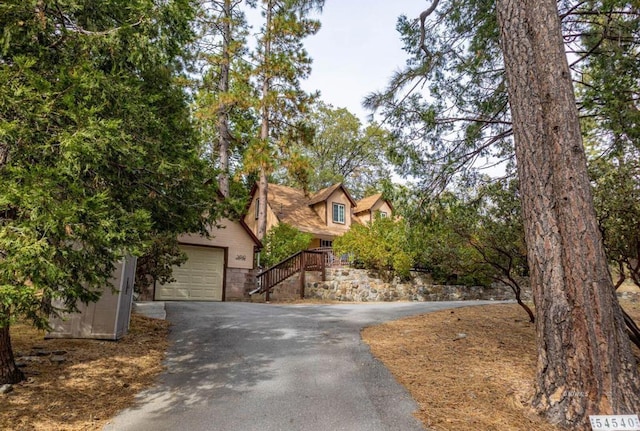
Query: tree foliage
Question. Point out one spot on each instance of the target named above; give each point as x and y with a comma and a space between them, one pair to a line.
381, 245
156, 265
280, 63
341, 150
617, 199
282, 241
97, 150
226, 97
448, 106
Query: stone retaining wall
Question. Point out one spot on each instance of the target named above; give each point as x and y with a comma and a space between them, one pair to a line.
359, 285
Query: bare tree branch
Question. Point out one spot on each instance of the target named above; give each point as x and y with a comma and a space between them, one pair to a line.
423, 18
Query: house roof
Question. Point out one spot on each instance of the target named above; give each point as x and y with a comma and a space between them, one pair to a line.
325, 193
253, 237
291, 206
369, 202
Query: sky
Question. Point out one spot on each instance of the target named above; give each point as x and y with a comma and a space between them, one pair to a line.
357, 49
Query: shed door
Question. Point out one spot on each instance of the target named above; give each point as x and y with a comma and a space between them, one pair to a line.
200, 278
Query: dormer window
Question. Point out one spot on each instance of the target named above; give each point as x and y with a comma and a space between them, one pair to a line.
383, 214
338, 213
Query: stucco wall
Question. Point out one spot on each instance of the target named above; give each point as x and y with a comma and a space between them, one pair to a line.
252, 222
233, 237
250, 217
340, 198
366, 217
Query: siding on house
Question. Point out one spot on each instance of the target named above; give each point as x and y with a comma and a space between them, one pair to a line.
338, 197
272, 216
367, 208
233, 237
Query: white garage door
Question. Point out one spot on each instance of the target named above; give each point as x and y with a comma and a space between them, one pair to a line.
198, 279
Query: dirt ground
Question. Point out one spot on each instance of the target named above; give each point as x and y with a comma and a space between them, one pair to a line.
93, 381
468, 369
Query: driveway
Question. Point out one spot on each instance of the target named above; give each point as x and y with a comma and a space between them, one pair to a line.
245, 367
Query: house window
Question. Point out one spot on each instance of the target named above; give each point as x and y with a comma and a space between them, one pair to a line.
326, 243
383, 214
257, 207
338, 213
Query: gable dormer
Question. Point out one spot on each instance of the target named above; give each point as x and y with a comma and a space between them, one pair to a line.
334, 205
367, 208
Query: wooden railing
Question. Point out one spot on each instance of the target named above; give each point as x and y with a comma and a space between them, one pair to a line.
331, 259
308, 260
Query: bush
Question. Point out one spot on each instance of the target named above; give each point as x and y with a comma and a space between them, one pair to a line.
283, 241
380, 245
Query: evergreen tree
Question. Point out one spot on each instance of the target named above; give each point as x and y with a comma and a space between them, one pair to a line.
449, 105
498, 85
226, 94
581, 333
98, 153
281, 62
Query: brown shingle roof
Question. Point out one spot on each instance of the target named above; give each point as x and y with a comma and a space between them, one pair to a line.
291, 206
325, 193
367, 203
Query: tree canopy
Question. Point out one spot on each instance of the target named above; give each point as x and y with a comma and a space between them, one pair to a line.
449, 107
342, 150
97, 149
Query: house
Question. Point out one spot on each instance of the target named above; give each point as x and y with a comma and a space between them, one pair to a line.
326, 214
220, 267
367, 208
223, 266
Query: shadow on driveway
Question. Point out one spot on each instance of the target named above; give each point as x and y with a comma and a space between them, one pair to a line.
243, 366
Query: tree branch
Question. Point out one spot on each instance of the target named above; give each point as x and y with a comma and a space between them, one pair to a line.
423, 18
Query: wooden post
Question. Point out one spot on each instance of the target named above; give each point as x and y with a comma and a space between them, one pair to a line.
267, 280
302, 273
323, 265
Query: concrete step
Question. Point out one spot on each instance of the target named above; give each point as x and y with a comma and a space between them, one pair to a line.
153, 309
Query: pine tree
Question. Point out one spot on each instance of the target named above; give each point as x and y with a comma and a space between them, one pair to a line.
226, 94
582, 343
498, 80
281, 62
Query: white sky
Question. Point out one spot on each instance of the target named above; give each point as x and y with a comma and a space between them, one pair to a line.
357, 49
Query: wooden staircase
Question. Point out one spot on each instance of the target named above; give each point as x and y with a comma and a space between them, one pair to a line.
307, 260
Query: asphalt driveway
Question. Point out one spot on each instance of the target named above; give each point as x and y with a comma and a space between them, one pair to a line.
263, 367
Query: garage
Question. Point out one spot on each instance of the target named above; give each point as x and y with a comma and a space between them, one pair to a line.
200, 278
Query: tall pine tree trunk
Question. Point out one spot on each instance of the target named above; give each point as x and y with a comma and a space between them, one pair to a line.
585, 363
224, 136
9, 372
263, 191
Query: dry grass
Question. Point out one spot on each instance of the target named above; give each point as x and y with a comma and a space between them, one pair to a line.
480, 381
96, 381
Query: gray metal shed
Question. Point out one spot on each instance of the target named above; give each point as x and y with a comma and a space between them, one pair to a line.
107, 319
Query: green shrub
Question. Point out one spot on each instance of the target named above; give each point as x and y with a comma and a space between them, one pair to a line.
380, 245
283, 241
